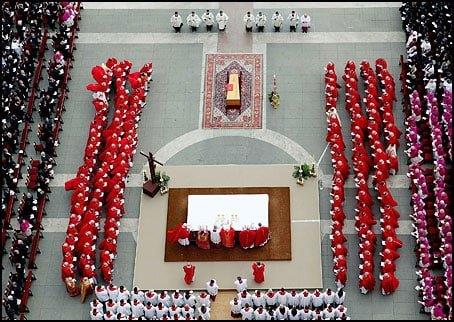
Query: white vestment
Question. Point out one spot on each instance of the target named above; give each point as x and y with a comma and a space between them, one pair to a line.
277, 20
137, 309
212, 289
176, 21
193, 20
247, 314
102, 295
235, 308
258, 300
305, 21
294, 19
215, 236
208, 18
149, 312
240, 287
249, 20
260, 20
222, 20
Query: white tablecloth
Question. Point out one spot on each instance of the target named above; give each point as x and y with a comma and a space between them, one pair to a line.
239, 210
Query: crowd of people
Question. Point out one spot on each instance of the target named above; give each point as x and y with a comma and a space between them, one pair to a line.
118, 303
24, 30
259, 21
427, 89
367, 131
341, 171
288, 305
277, 21
193, 21
249, 237
100, 181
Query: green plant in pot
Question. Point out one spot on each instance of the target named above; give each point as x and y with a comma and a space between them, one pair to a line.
303, 172
162, 179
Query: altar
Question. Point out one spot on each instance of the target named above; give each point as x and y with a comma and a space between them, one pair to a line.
237, 210
292, 255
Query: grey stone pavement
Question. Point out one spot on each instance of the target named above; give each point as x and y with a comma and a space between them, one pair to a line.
173, 110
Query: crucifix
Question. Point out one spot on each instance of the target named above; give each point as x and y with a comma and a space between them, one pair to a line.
151, 187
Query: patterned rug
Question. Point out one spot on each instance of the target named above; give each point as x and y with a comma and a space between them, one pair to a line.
215, 114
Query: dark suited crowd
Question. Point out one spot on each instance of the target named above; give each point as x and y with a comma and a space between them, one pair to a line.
25, 26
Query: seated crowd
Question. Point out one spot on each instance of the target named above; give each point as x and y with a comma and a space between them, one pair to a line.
117, 303
427, 88
288, 305
25, 31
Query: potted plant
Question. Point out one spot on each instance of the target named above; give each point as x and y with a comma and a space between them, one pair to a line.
302, 172
162, 180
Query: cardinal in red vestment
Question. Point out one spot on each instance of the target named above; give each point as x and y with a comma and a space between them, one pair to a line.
189, 271
389, 283
258, 270
262, 236
366, 282
228, 237
203, 239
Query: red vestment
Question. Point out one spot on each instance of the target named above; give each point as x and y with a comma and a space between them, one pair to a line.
367, 281
180, 232
389, 283
203, 240
258, 272
228, 237
189, 271
247, 238
262, 236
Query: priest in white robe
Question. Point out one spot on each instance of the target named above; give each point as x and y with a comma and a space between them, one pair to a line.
208, 19
193, 21
176, 21
305, 23
294, 19
278, 20
222, 20
249, 21
260, 21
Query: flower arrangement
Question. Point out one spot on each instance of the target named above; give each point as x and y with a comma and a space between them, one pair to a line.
303, 172
162, 180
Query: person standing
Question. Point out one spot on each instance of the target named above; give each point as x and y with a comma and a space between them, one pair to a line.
193, 21
260, 21
208, 19
215, 236
240, 284
212, 289
294, 19
258, 270
222, 20
277, 21
189, 271
305, 22
176, 22
249, 21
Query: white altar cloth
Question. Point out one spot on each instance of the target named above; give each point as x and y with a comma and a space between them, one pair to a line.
239, 210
